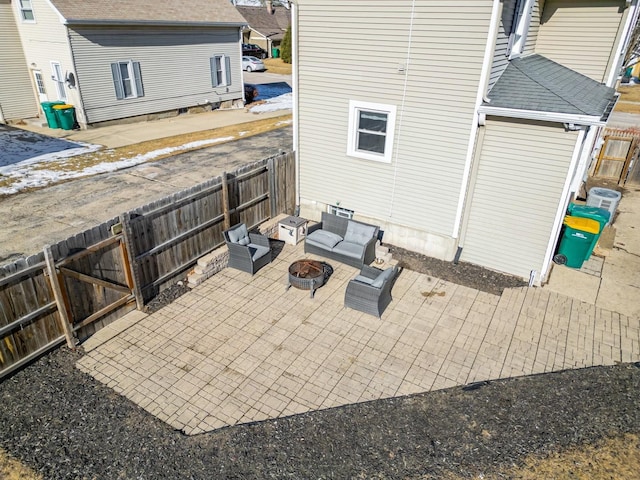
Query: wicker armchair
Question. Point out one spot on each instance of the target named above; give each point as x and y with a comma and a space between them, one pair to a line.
248, 252
370, 292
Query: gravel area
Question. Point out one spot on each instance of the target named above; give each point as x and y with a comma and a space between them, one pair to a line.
66, 425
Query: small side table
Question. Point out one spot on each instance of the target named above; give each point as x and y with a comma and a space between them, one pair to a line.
292, 229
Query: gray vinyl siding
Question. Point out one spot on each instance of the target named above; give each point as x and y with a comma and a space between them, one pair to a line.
580, 35
435, 107
17, 98
522, 170
174, 64
534, 28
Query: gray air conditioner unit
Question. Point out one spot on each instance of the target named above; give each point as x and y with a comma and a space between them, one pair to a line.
604, 198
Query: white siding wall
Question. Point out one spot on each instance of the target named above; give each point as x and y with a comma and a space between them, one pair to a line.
580, 35
45, 41
17, 98
351, 50
522, 170
534, 28
174, 64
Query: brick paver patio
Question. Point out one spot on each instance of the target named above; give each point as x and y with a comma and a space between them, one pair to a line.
241, 349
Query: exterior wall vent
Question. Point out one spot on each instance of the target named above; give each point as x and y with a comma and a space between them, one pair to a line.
339, 211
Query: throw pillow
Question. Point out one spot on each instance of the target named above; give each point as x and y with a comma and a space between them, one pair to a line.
239, 233
359, 233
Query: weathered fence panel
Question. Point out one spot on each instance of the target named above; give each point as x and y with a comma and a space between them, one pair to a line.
98, 275
618, 154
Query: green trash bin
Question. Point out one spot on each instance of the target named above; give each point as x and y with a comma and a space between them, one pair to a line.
66, 115
601, 215
275, 52
577, 237
50, 114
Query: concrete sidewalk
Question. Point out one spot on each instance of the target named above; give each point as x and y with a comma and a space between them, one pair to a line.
113, 136
241, 348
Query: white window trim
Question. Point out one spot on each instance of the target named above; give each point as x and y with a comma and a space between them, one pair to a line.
357, 106
522, 22
225, 70
131, 79
21, 9
135, 79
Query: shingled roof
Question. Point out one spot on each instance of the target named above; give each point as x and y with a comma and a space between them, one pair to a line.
536, 83
271, 25
177, 12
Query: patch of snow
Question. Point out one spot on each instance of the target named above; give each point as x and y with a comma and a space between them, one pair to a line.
25, 176
283, 102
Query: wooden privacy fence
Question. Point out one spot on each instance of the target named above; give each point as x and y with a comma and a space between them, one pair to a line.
618, 157
75, 287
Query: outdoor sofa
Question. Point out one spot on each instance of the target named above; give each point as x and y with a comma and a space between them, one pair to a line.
370, 291
343, 240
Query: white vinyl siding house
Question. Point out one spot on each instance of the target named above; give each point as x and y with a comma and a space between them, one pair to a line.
431, 79
16, 95
516, 195
590, 28
486, 139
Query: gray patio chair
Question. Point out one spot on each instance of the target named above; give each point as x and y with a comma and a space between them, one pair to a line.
248, 252
370, 291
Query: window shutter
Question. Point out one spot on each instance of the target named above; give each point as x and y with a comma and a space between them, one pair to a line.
117, 81
227, 68
214, 80
138, 77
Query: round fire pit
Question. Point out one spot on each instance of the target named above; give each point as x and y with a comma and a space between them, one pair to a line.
306, 275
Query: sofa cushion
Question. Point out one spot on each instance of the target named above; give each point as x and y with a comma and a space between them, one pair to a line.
349, 249
257, 251
239, 235
324, 238
359, 233
363, 279
382, 277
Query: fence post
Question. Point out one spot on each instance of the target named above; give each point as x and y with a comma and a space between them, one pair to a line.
129, 256
273, 190
225, 201
58, 294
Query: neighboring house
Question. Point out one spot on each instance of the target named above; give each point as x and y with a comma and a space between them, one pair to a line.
119, 59
466, 128
17, 91
267, 25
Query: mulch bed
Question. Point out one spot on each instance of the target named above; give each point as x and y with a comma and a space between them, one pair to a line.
64, 424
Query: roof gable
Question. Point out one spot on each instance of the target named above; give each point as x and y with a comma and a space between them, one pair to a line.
271, 25
536, 83
148, 12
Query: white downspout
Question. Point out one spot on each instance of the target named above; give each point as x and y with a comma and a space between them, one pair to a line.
632, 18
562, 205
589, 143
296, 97
482, 85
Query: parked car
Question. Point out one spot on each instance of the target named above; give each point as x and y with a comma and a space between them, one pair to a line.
250, 92
253, 50
252, 64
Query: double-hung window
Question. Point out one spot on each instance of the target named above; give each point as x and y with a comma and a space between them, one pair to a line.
127, 79
26, 11
371, 127
220, 71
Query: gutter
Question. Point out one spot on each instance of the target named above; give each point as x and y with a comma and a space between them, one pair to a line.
543, 116
492, 36
296, 96
163, 23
